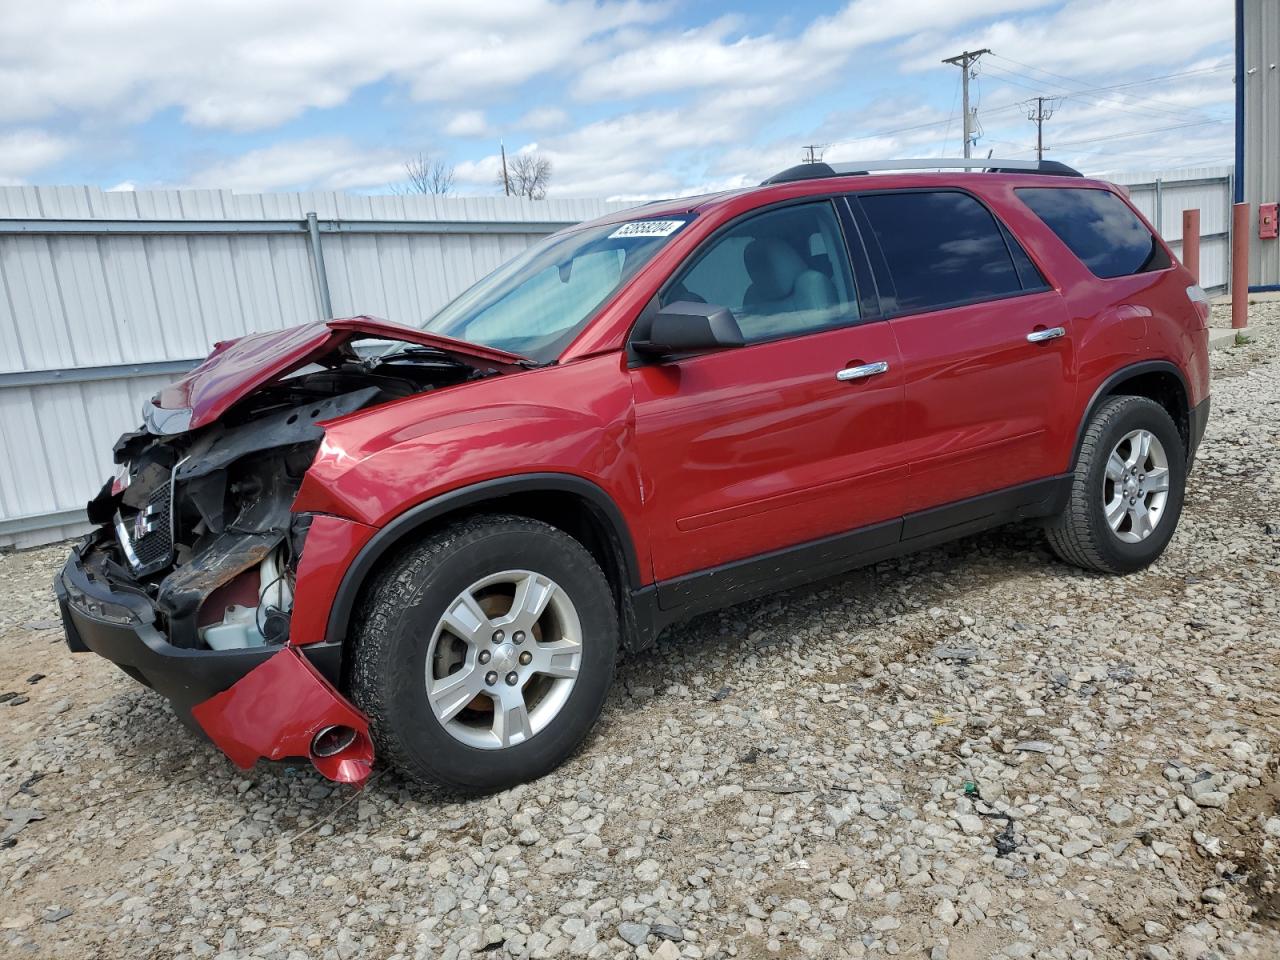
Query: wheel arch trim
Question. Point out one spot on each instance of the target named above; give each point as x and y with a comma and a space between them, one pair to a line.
415, 518
1114, 380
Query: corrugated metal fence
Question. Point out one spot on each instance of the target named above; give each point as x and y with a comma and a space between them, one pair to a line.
104, 297
1163, 195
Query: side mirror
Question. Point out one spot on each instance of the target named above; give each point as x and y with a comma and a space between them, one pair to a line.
688, 327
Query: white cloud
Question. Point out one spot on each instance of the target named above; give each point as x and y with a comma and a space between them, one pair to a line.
714, 57
1184, 120
688, 106
1085, 37
329, 163
26, 151
468, 123
543, 118
738, 81
245, 64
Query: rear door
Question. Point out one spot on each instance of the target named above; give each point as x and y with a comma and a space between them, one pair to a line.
986, 346
754, 449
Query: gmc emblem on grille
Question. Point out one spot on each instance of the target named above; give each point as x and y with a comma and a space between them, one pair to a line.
142, 524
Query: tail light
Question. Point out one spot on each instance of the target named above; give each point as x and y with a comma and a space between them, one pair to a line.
1200, 300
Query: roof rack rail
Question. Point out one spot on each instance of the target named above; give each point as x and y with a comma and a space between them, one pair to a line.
814, 171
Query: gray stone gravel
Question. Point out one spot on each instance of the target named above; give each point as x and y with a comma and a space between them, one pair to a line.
975, 752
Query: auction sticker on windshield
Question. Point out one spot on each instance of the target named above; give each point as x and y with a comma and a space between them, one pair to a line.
647, 228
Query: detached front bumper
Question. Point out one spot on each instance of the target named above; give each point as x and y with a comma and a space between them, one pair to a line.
255, 702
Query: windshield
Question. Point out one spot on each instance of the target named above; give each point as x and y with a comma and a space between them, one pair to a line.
537, 303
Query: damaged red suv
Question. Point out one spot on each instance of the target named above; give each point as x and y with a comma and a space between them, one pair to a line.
355, 535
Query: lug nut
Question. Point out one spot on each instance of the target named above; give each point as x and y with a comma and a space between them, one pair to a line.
484, 656
1133, 500
491, 678
525, 658
518, 637
512, 679
498, 636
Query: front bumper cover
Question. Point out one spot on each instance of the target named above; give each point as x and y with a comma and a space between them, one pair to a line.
120, 625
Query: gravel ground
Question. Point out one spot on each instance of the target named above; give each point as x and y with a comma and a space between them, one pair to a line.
969, 753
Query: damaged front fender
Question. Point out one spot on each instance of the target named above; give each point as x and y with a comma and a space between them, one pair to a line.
285, 708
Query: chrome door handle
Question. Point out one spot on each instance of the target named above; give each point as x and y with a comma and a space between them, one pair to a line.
1040, 336
866, 370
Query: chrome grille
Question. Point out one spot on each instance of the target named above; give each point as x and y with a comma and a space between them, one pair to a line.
146, 537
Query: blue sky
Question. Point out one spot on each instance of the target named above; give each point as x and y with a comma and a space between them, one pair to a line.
627, 98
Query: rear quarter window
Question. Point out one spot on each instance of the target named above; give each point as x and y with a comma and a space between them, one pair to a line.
1099, 228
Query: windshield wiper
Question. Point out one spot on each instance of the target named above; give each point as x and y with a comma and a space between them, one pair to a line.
436, 354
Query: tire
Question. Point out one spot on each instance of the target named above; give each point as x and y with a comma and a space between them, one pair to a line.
1082, 534
403, 618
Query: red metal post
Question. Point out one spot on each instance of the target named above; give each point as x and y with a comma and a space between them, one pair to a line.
1191, 241
1239, 266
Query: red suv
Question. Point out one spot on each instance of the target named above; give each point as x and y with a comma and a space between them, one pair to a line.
437, 541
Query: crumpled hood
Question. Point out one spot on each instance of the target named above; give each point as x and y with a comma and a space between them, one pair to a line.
238, 367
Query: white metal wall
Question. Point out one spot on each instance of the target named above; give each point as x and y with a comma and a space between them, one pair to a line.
1162, 195
93, 323
1258, 78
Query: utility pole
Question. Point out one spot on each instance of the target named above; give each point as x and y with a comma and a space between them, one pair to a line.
506, 183
964, 61
1038, 116
813, 153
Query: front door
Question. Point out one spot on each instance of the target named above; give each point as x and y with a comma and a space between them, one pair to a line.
791, 438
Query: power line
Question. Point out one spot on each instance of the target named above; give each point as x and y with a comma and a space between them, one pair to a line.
918, 126
1120, 136
964, 61
1091, 89
1141, 106
1038, 86
1038, 117
951, 110
1018, 104
1141, 133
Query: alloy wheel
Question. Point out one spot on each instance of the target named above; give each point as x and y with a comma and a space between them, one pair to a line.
1135, 487
503, 659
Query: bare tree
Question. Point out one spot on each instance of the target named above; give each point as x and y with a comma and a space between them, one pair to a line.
424, 175
529, 175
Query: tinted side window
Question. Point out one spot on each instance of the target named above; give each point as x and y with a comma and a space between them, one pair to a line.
782, 272
1030, 276
1099, 228
942, 248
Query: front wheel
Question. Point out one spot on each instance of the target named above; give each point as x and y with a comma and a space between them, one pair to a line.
1126, 491
483, 655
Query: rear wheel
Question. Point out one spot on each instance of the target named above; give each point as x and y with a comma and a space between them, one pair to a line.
483, 655
1126, 491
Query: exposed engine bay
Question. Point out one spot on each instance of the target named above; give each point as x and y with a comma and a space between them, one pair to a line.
201, 522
